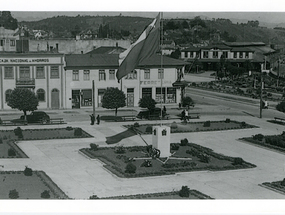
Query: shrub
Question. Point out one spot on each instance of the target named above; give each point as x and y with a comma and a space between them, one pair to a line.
45, 194
28, 171
146, 163
173, 125
94, 146
94, 197
243, 124
207, 124
120, 150
13, 194
78, 132
11, 152
184, 192
136, 124
228, 120
18, 132
281, 106
148, 129
130, 168
204, 158
184, 142
174, 146
69, 128
193, 84
238, 161
283, 182
258, 137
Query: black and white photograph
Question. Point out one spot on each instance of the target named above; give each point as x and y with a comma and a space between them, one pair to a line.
142, 108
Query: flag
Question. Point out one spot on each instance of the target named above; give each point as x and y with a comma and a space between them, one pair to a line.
143, 48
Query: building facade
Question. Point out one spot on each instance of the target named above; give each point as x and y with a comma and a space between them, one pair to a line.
43, 73
81, 70
8, 40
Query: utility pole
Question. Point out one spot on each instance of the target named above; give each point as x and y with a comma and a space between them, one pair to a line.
93, 96
261, 87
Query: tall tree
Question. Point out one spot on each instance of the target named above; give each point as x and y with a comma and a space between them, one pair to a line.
113, 99
7, 21
23, 100
147, 102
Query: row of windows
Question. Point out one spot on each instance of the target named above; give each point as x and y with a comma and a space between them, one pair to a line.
215, 54
102, 75
41, 94
25, 72
12, 42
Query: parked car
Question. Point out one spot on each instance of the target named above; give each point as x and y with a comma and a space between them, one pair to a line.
153, 114
37, 116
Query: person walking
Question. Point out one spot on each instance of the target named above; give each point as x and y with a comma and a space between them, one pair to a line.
92, 118
186, 115
183, 115
98, 119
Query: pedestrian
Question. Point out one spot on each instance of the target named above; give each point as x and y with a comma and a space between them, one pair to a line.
98, 119
183, 115
164, 109
179, 106
92, 118
186, 115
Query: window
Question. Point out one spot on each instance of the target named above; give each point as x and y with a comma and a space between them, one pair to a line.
246, 55
25, 72
41, 95
86, 75
147, 92
205, 54
160, 73
235, 54
7, 94
75, 75
240, 54
40, 72
9, 73
54, 72
2, 42
111, 74
225, 54
215, 54
146, 74
160, 97
12, 43
102, 75
191, 54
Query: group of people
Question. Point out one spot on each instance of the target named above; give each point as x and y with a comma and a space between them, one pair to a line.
185, 115
92, 117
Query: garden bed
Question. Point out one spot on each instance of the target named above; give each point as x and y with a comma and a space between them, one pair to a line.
194, 194
275, 186
8, 148
185, 157
29, 187
182, 127
275, 142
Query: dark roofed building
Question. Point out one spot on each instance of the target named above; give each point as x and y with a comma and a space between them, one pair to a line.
107, 50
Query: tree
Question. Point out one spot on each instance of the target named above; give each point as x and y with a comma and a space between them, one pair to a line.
281, 106
176, 54
187, 101
113, 99
184, 192
23, 100
147, 102
13, 194
7, 21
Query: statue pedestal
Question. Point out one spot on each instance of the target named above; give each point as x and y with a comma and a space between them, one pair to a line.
161, 140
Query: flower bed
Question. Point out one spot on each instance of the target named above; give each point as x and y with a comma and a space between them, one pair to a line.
276, 142
29, 187
275, 186
188, 157
193, 126
194, 194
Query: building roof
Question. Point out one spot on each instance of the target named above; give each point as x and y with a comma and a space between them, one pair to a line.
101, 61
242, 49
236, 44
191, 49
107, 50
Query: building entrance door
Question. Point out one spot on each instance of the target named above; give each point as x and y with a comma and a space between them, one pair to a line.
130, 97
75, 98
55, 99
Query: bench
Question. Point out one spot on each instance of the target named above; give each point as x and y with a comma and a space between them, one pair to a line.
194, 116
128, 118
14, 122
279, 119
56, 121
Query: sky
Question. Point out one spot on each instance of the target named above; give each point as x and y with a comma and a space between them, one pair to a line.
272, 11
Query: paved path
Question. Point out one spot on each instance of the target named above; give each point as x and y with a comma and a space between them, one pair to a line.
80, 177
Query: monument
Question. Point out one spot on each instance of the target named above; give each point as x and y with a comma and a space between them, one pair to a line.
161, 140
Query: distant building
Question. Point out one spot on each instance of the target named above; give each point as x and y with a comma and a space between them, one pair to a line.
8, 40
107, 50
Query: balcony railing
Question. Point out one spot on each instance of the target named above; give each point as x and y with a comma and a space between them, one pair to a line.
25, 82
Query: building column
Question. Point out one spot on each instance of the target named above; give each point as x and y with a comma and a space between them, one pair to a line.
2, 95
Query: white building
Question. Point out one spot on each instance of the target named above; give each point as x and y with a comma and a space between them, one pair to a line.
8, 40
143, 81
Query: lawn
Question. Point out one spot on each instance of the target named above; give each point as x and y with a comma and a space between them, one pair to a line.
185, 157
28, 187
8, 138
182, 127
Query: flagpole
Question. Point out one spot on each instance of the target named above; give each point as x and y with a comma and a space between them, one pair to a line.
161, 67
